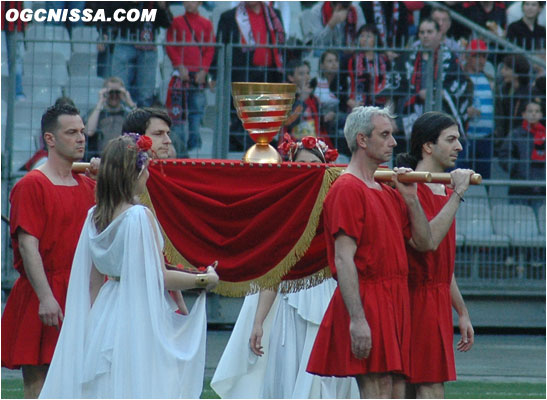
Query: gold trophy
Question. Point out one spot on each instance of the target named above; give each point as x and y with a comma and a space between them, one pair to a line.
262, 108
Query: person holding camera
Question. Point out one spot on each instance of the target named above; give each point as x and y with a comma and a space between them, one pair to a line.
105, 121
186, 96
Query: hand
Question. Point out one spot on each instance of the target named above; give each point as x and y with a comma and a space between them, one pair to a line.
50, 312
460, 180
183, 73
179, 300
201, 77
93, 169
255, 341
339, 15
101, 47
361, 338
391, 55
329, 116
103, 93
212, 278
125, 96
409, 191
467, 332
473, 112
421, 94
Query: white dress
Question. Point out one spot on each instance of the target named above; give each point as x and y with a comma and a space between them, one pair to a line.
289, 333
130, 343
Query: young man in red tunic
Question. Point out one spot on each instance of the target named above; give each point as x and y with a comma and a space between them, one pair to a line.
48, 209
366, 329
434, 147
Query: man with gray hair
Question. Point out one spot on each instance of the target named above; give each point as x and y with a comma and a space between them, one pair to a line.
366, 330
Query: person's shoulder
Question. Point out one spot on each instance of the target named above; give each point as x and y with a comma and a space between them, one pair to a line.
34, 177
228, 13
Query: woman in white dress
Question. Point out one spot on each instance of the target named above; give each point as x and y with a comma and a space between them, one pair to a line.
268, 351
121, 337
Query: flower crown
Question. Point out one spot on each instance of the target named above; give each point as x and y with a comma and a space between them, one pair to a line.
144, 143
289, 147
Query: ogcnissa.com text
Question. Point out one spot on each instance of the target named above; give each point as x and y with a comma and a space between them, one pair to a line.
76, 15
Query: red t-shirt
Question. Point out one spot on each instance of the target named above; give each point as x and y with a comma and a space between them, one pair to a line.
262, 56
192, 57
52, 213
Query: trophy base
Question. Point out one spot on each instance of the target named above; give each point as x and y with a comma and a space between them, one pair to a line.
262, 153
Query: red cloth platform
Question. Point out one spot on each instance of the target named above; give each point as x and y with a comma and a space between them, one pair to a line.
262, 222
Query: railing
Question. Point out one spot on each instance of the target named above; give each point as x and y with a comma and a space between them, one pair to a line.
502, 259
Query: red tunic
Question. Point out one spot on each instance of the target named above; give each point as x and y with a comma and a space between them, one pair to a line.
430, 274
55, 215
378, 221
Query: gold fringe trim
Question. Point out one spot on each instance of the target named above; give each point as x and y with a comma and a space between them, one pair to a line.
273, 277
308, 282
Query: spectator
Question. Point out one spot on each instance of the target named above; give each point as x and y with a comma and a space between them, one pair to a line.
105, 121
332, 23
443, 18
513, 92
514, 13
249, 25
391, 20
332, 100
489, 15
48, 208
186, 96
69, 5
456, 30
154, 123
368, 71
526, 32
523, 155
107, 30
481, 114
14, 31
304, 117
456, 90
136, 64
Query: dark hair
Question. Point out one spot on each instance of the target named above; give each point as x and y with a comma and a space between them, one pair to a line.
431, 21
439, 9
427, 128
294, 64
65, 100
138, 120
50, 118
520, 66
315, 151
371, 28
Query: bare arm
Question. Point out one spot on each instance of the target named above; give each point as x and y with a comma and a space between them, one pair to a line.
464, 322
49, 311
443, 220
348, 280
421, 238
93, 120
265, 300
96, 281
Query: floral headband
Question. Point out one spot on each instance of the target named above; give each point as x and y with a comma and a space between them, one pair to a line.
289, 147
144, 143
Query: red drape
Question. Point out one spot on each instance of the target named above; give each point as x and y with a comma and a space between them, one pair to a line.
261, 222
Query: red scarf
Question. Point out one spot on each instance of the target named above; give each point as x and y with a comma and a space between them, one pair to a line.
273, 25
416, 79
537, 131
351, 20
361, 70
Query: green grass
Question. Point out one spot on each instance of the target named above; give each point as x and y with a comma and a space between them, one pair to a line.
494, 390
13, 389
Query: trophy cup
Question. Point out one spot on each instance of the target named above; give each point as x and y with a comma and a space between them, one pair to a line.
262, 109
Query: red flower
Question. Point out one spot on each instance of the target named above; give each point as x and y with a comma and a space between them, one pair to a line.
309, 142
144, 143
331, 155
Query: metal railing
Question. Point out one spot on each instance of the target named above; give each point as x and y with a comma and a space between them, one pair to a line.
501, 261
